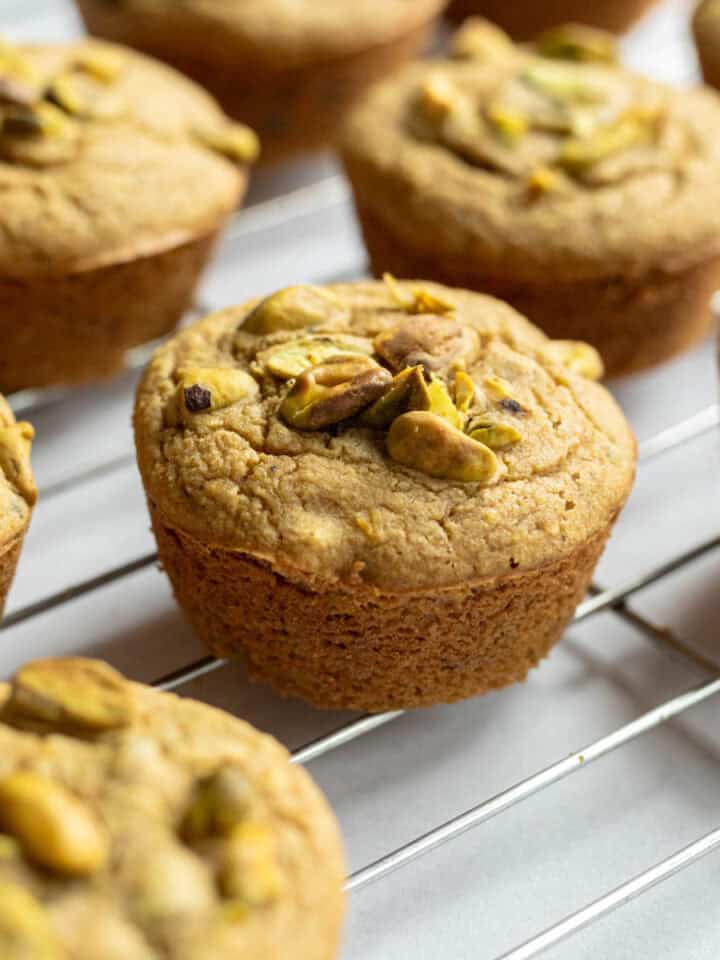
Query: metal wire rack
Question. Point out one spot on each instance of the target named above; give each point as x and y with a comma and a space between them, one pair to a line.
277, 210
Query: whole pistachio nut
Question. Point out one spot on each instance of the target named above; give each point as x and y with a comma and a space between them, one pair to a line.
497, 436
55, 828
408, 390
249, 871
295, 308
70, 692
578, 356
207, 389
219, 802
479, 39
333, 392
15, 443
429, 444
25, 930
289, 360
578, 42
433, 341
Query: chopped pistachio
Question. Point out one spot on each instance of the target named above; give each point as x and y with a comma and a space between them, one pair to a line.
408, 390
295, 308
234, 141
497, 436
441, 404
577, 42
479, 39
249, 870
333, 392
636, 127
508, 123
578, 356
417, 300
428, 443
288, 360
207, 389
464, 390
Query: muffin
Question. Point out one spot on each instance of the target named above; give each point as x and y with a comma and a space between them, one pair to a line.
526, 18
136, 825
17, 493
706, 28
291, 70
379, 495
579, 192
116, 176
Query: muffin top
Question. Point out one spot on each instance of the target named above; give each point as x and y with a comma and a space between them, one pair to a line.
18, 492
135, 825
550, 160
106, 155
399, 435
284, 32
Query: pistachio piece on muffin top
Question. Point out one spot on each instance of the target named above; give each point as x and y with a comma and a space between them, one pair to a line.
18, 492
551, 176
135, 825
381, 495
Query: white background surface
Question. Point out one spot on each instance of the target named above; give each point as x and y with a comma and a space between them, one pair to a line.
492, 888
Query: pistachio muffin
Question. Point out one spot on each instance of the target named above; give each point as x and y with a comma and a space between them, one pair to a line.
581, 193
116, 175
135, 825
706, 29
17, 493
524, 19
379, 495
291, 70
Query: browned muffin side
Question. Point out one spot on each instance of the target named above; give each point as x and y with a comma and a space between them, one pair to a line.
706, 30
18, 493
117, 175
524, 19
379, 496
579, 192
292, 71
136, 825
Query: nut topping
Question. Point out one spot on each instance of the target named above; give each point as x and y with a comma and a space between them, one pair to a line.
431, 341
206, 389
295, 308
54, 827
497, 436
70, 693
219, 803
479, 39
249, 871
25, 931
574, 41
333, 391
234, 141
578, 356
407, 391
289, 360
428, 443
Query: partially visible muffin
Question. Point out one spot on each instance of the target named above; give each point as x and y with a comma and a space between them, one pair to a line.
18, 493
290, 70
706, 29
524, 19
116, 176
583, 194
381, 496
135, 825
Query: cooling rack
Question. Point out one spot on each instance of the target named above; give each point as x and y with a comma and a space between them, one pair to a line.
298, 227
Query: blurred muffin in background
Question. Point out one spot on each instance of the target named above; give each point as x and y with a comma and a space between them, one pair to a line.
18, 493
706, 28
290, 70
524, 19
583, 194
117, 175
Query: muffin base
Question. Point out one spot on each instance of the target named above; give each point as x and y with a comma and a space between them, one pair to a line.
292, 110
365, 649
524, 21
77, 328
9, 556
635, 322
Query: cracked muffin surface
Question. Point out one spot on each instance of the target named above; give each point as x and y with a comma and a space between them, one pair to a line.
503, 456
138, 825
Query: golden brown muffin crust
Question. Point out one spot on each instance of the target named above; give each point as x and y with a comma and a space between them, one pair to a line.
333, 507
157, 828
487, 157
283, 32
131, 177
